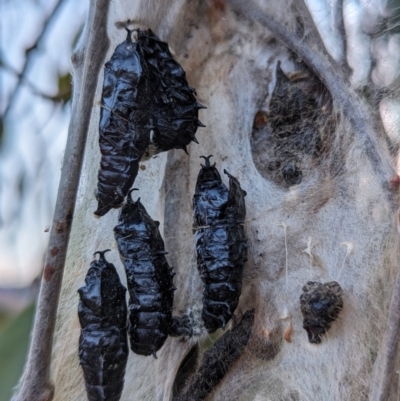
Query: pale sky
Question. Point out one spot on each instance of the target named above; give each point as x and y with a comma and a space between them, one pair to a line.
36, 132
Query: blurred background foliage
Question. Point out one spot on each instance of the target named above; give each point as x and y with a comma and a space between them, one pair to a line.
36, 42
14, 343
37, 38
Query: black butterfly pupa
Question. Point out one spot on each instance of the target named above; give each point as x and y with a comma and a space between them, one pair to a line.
320, 305
174, 118
147, 107
221, 244
149, 278
103, 344
123, 137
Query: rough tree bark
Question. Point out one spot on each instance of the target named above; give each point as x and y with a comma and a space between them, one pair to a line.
338, 221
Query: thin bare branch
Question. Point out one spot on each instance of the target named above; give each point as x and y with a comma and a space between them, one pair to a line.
385, 370
29, 55
315, 38
87, 62
351, 105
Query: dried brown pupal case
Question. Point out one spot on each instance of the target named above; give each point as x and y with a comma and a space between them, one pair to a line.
320, 305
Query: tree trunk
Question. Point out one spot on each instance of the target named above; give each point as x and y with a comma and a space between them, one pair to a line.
334, 219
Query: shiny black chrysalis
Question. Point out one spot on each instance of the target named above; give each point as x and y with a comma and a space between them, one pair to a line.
103, 345
149, 278
174, 118
320, 306
147, 107
123, 137
221, 244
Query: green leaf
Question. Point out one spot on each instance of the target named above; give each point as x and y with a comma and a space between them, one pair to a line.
64, 88
14, 344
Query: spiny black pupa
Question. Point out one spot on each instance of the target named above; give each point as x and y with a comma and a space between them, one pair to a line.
149, 278
103, 344
174, 108
147, 107
221, 243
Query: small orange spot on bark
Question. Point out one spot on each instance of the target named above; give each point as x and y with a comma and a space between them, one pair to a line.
54, 251
260, 119
395, 181
266, 333
219, 5
60, 228
48, 272
287, 334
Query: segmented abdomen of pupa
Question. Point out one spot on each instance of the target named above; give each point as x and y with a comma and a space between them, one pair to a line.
103, 344
123, 137
320, 305
149, 278
221, 244
174, 108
